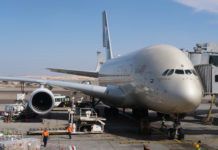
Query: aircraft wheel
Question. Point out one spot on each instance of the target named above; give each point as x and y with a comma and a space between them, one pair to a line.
171, 134
181, 134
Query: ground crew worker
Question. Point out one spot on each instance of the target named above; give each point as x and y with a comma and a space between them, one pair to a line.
163, 123
146, 148
70, 130
197, 146
45, 135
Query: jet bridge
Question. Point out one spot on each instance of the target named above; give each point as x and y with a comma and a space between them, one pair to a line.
208, 74
205, 60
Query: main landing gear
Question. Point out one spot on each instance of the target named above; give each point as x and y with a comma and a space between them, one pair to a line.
177, 130
141, 116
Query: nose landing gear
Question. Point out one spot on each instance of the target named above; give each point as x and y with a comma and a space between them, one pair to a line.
177, 130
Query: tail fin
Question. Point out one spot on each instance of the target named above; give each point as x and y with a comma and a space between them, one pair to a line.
106, 37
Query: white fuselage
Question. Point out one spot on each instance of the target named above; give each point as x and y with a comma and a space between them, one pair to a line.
140, 77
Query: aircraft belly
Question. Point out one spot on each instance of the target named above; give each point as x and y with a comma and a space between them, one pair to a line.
142, 95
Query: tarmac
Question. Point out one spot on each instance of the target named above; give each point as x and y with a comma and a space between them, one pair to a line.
122, 133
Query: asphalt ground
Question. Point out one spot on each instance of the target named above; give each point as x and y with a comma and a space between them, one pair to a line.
122, 133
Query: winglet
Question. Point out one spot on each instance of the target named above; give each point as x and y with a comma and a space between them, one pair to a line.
106, 37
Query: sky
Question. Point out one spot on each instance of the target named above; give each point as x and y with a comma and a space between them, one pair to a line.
37, 34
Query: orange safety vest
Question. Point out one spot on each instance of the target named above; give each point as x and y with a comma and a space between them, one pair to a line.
45, 133
70, 129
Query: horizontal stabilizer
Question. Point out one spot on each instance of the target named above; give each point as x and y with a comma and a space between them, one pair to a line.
75, 72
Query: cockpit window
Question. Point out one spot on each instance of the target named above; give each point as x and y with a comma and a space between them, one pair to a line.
165, 72
188, 72
178, 71
171, 71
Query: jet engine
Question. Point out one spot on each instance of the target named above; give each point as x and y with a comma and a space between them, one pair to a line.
41, 101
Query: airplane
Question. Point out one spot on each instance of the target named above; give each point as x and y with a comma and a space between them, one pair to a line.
159, 78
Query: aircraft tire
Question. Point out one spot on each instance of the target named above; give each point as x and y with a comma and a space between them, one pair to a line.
171, 134
181, 134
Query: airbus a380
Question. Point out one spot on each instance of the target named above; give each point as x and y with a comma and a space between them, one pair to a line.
159, 78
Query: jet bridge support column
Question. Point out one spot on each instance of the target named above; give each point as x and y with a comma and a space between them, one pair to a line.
207, 119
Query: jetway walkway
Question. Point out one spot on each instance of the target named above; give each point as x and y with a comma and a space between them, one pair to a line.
205, 60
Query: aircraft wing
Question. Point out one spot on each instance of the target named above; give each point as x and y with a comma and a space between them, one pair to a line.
75, 72
93, 90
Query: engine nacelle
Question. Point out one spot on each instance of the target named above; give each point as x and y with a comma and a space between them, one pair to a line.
41, 101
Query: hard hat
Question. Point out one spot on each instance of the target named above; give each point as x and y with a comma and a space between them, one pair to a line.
196, 145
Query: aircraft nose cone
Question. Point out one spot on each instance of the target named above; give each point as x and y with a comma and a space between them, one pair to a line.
190, 94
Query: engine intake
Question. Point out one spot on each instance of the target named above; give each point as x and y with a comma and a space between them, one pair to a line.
41, 101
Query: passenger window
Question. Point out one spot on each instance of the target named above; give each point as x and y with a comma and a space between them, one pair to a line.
188, 72
213, 60
165, 72
170, 72
179, 71
216, 78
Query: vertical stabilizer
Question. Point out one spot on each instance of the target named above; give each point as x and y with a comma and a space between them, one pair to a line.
106, 37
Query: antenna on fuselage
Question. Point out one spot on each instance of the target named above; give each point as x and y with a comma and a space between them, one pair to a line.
106, 37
